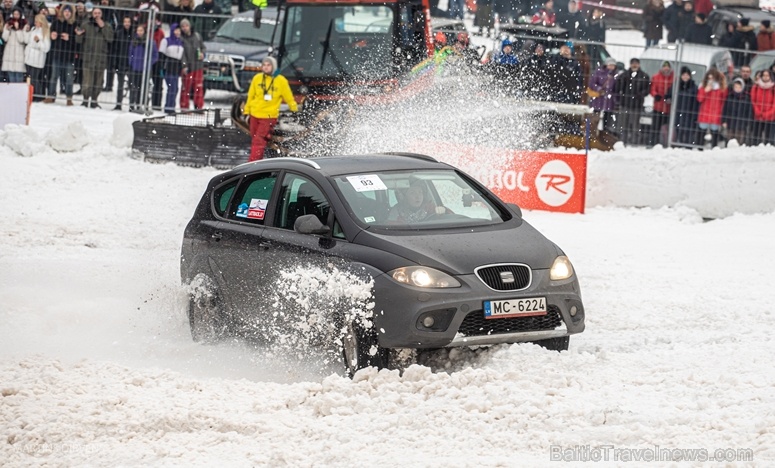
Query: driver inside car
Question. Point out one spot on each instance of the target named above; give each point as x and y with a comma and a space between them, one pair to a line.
414, 204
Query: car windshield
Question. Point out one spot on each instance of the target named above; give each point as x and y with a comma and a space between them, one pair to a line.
417, 200
338, 41
241, 29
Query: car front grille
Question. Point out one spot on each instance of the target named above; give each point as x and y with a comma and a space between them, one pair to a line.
476, 325
217, 60
496, 276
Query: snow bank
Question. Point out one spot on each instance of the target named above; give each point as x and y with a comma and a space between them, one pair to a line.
97, 366
716, 183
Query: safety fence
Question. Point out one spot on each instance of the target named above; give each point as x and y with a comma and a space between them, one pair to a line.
95, 57
653, 101
102, 63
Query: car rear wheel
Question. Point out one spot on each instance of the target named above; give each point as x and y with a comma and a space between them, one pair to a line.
555, 344
204, 311
360, 349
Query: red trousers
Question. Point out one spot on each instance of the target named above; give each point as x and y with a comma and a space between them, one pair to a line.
261, 132
195, 82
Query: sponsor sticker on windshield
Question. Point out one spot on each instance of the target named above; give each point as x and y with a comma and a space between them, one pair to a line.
366, 183
255, 210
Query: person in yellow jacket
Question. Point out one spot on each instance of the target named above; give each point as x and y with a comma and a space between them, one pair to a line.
267, 90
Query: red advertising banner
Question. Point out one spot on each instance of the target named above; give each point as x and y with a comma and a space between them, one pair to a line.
534, 180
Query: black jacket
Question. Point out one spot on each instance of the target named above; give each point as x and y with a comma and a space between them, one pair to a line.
120, 48
670, 21
738, 111
565, 78
574, 23
631, 88
686, 106
727, 40
745, 38
595, 30
62, 50
532, 78
684, 20
699, 34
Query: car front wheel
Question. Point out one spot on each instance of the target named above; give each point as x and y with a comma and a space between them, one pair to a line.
555, 344
360, 349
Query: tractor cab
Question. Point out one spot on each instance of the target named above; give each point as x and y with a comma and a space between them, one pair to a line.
334, 50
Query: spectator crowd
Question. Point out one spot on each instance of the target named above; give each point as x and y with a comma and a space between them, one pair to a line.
720, 106
99, 47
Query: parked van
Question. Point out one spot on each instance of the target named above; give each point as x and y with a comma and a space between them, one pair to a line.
698, 58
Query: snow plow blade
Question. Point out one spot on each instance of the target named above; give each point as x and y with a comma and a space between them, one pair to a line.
198, 138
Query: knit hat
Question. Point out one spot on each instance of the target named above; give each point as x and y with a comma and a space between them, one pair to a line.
685, 70
702, 17
67, 7
766, 24
739, 80
272, 61
610, 61
666, 64
744, 21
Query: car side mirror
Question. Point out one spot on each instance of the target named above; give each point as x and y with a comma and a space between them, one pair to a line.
257, 18
515, 209
310, 224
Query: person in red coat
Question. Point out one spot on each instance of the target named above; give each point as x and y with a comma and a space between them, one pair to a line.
703, 6
662, 90
711, 96
765, 38
763, 100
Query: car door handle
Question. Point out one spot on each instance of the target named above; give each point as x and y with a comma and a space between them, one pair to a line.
217, 236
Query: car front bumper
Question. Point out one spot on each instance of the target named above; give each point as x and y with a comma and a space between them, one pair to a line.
399, 310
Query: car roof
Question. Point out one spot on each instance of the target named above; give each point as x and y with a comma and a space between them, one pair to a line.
692, 53
270, 12
332, 166
756, 15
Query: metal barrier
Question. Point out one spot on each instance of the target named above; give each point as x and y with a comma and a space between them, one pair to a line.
645, 109
73, 56
654, 116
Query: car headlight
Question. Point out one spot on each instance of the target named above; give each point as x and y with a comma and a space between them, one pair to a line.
561, 269
424, 277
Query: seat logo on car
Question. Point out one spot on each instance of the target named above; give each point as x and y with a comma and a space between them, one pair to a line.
507, 277
554, 183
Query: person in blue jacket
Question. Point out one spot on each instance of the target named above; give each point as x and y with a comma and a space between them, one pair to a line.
137, 66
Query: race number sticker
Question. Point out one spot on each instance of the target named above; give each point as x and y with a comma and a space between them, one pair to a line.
257, 208
366, 183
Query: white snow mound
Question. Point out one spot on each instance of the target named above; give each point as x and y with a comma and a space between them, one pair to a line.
68, 138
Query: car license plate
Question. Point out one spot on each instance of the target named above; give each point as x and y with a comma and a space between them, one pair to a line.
527, 307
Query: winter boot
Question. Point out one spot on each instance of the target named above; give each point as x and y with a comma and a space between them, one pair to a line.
70, 101
48, 100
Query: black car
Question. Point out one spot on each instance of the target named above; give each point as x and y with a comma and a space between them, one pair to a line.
235, 52
448, 263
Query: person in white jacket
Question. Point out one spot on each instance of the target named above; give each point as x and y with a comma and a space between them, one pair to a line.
171, 50
38, 44
13, 54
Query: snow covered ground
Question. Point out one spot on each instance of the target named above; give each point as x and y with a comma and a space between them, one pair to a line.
97, 366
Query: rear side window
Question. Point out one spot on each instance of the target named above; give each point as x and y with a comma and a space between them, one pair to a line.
300, 196
253, 198
222, 196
